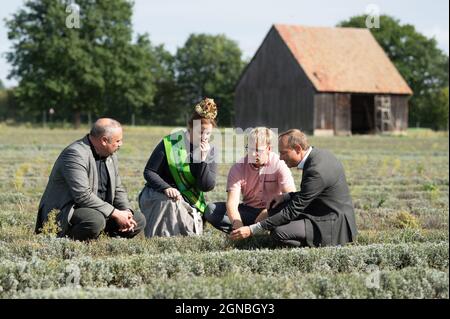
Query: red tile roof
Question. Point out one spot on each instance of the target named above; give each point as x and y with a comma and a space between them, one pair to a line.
343, 60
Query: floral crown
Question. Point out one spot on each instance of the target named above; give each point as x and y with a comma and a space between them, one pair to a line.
207, 109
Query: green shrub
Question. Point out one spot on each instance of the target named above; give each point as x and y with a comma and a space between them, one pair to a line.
51, 227
386, 175
405, 219
405, 283
19, 274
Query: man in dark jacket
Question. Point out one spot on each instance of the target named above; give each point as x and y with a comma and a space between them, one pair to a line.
86, 191
321, 213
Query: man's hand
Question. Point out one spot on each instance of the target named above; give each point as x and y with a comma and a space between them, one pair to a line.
173, 193
124, 219
277, 200
241, 233
237, 223
263, 215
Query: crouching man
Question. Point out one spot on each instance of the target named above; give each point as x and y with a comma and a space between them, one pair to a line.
85, 189
321, 213
260, 176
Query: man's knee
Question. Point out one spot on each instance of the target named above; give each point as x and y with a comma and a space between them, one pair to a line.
209, 213
277, 235
292, 234
94, 225
281, 234
215, 212
87, 224
140, 221
216, 215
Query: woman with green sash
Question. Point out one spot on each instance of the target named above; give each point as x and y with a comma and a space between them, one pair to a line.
179, 171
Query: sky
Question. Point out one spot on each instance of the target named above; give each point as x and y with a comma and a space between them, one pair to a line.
170, 22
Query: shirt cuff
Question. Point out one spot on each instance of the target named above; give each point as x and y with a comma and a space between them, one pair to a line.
256, 229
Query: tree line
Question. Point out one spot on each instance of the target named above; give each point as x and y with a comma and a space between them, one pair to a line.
100, 69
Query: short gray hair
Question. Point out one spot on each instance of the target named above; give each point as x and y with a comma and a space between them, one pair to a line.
296, 137
104, 127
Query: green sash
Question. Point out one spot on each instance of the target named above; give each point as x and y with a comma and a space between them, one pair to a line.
176, 154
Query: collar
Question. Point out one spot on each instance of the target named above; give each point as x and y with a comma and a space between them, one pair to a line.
302, 163
94, 152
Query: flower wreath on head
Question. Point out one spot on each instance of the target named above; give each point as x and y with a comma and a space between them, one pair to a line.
207, 109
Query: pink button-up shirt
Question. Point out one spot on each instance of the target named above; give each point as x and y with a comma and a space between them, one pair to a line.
258, 186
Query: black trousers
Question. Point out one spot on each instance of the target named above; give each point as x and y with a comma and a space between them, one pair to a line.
88, 223
292, 234
216, 215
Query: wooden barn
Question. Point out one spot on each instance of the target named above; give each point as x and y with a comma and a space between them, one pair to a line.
324, 81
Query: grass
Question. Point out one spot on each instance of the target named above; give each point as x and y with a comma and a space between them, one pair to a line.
399, 186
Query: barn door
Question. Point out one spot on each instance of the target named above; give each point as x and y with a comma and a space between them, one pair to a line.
342, 114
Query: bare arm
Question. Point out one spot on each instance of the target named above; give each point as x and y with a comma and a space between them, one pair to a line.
287, 188
232, 208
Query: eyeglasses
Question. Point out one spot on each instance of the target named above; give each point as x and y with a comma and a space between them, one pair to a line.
254, 150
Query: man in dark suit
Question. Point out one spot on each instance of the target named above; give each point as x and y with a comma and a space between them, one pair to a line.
86, 191
321, 213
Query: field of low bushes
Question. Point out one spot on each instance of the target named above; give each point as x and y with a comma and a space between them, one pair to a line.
399, 185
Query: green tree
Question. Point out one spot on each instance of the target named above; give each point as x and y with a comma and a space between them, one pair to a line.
133, 84
438, 115
165, 107
8, 107
2, 87
3, 105
94, 68
209, 66
423, 65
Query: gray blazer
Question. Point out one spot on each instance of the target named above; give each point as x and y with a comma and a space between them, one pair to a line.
324, 202
74, 182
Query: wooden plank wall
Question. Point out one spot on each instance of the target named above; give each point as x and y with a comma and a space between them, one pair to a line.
324, 105
343, 114
399, 111
274, 91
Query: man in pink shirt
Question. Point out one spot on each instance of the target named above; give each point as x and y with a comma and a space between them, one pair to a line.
259, 177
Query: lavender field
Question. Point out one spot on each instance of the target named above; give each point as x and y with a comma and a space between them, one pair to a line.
400, 188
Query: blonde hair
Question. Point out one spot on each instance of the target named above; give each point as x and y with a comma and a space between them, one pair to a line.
261, 135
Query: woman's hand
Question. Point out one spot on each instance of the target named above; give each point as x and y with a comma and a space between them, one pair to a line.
173, 193
204, 149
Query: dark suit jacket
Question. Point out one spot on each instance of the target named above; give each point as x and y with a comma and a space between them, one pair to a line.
74, 182
324, 202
